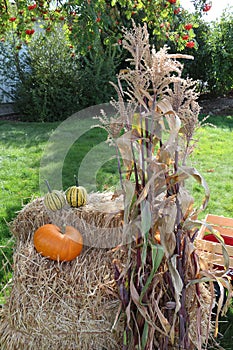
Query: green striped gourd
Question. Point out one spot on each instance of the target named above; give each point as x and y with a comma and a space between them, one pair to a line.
76, 196
54, 200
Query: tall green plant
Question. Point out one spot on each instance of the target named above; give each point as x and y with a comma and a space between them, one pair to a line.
97, 68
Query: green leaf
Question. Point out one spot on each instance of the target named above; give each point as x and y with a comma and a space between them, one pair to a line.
125, 338
144, 249
145, 335
157, 253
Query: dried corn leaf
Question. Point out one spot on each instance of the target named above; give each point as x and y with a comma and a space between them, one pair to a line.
166, 225
178, 286
200, 179
136, 299
158, 188
129, 192
125, 144
165, 107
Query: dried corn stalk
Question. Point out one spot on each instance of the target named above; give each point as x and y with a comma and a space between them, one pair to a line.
157, 115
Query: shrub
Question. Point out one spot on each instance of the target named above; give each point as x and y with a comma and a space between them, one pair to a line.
98, 68
48, 88
220, 41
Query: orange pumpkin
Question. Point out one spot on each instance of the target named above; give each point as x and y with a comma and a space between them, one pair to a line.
50, 242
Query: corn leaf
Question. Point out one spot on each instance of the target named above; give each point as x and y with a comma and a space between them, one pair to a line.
166, 225
178, 286
165, 107
145, 336
200, 179
129, 191
157, 253
124, 144
145, 217
141, 308
145, 227
160, 186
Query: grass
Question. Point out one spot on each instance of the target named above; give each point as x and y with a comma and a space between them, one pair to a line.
212, 158
22, 146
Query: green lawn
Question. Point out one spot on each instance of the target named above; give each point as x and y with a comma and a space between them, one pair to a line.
213, 158
22, 146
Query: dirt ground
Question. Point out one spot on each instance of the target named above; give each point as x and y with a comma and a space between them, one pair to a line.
217, 106
211, 106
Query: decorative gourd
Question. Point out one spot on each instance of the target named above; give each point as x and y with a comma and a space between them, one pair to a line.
54, 200
76, 196
51, 242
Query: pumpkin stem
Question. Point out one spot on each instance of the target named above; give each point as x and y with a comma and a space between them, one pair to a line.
47, 184
63, 229
76, 180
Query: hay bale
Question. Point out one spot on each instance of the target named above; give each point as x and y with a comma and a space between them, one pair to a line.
61, 305
100, 221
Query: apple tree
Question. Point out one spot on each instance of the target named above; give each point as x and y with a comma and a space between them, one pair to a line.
90, 22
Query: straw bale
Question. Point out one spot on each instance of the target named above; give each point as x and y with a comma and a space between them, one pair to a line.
31, 217
61, 305
100, 221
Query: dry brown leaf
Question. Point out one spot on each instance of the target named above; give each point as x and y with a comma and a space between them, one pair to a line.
166, 225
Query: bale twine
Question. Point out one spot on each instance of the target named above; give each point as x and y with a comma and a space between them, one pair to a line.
62, 305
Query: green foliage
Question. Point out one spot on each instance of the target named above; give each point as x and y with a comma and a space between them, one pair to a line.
48, 89
86, 20
213, 63
53, 81
98, 68
200, 68
8, 71
220, 41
